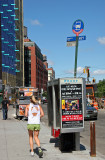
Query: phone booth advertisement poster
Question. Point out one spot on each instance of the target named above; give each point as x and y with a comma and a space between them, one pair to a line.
72, 112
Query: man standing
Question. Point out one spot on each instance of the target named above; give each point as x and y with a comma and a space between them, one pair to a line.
5, 106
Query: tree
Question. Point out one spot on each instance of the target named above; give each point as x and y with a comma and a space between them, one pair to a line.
44, 94
101, 88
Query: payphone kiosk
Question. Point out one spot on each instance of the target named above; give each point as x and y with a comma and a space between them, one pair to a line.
66, 109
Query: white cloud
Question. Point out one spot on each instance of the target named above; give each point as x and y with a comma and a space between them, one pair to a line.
50, 63
69, 71
98, 72
35, 22
101, 40
79, 70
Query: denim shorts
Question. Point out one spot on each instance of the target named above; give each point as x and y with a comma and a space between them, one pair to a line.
33, 127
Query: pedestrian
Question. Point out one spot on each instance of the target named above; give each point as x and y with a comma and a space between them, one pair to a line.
5, 107
39, 100
34, 112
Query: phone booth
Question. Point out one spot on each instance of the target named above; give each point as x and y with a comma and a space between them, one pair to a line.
66, 109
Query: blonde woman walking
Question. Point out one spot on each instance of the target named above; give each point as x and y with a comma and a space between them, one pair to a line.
34, 112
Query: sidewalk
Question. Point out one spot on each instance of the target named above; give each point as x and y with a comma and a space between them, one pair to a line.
14, 143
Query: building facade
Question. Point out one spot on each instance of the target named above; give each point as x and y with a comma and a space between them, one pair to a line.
7, 42
51, 74
11, 47
0, 52
19, 35
35, 71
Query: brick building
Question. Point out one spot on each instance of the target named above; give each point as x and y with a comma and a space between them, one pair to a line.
35, 72
51, 74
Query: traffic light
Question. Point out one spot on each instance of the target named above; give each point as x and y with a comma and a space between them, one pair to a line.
93, 80
88, 74
84, 70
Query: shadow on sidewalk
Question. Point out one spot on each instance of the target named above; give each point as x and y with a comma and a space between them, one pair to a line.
9, 118
55, 140
36, 150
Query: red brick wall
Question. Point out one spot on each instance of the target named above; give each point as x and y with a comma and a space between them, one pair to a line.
46, 64
39, 74
33, 66
27, 40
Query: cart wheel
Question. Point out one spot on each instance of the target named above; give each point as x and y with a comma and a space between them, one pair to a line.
16, 117
20, 118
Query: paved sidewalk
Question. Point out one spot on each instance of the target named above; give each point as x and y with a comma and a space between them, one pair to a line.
14, 143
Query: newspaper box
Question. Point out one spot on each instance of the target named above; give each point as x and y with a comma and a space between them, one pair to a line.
66, 109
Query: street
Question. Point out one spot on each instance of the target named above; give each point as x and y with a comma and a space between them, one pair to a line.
14, 144
100, 132
85, 136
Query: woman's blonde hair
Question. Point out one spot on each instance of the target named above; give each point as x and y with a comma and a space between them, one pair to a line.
33, 100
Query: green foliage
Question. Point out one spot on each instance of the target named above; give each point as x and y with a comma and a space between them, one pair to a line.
44, 94
101, 89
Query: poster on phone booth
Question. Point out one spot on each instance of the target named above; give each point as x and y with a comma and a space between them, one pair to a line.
72, 112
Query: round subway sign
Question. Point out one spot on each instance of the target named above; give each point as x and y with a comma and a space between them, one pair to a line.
78, 27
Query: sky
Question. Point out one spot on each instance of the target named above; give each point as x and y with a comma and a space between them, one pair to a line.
49, 23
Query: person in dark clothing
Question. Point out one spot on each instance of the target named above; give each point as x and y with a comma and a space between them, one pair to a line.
5, 106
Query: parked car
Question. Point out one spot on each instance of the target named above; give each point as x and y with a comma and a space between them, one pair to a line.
91, 112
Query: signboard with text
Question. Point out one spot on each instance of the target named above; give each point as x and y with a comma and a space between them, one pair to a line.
72, 104
70, 44
72, 39
71, 95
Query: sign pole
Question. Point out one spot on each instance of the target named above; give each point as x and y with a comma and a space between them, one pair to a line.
76, 53
77, 28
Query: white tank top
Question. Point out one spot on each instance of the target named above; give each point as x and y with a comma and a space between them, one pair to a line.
34, 114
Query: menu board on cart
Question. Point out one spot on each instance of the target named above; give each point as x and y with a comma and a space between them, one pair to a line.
71, 102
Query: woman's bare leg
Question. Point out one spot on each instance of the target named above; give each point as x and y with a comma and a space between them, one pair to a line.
31, 139
36, 133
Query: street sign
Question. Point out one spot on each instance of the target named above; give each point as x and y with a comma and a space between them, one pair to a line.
81, 38
70, 44
70, 39
78, 27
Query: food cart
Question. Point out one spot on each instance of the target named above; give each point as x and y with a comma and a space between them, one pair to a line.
24, 99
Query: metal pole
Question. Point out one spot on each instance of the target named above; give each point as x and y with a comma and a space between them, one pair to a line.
7, 77
92, 139
76, 52
88, 97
